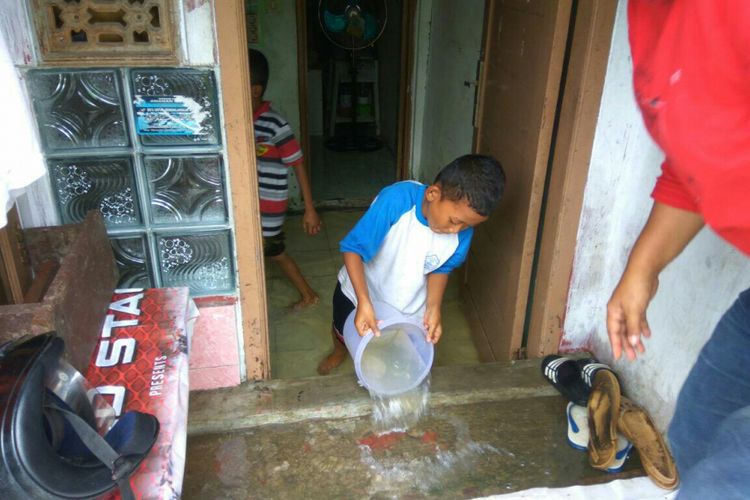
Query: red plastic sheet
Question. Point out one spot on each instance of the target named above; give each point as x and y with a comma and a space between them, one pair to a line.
141, 363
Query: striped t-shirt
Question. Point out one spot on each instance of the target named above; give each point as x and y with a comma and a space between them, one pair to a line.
276, 150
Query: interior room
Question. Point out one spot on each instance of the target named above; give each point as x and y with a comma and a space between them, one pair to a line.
352, 149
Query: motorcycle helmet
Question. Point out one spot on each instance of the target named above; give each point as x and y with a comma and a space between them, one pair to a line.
49, 443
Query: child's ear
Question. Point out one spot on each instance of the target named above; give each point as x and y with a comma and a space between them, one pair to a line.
433, 192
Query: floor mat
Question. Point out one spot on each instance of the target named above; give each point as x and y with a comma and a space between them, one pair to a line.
639, 488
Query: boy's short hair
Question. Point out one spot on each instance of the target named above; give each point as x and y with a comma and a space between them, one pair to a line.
258, 69
478, 179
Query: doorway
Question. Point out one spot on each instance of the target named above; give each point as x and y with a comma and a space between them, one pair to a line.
446, 99
352, 101
429, 134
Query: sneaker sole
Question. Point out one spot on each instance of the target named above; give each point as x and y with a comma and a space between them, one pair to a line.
624, 447
578, 426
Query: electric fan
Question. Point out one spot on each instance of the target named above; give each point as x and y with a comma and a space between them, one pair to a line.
352, 25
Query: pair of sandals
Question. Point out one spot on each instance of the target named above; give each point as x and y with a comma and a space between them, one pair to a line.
586, 382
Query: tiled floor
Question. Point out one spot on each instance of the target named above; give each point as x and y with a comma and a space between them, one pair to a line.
300, 340
349, 175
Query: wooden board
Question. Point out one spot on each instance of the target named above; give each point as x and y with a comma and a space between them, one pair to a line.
523, 55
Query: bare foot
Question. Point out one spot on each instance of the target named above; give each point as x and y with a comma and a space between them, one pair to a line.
331, 361
304, 303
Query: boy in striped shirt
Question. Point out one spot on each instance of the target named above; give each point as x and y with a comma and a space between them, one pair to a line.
276, 150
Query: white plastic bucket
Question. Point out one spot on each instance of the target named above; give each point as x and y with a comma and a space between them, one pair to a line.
396, 361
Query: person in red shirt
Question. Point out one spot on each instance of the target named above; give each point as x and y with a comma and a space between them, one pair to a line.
691, 73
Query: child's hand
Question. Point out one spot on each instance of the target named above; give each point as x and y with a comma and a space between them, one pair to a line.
365, 321
311, 222
433, 324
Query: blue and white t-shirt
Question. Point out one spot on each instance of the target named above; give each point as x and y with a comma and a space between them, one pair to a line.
399, 249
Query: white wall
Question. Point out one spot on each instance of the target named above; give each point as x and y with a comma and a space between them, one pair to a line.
15, 28
197, 33
694, 290
444, 126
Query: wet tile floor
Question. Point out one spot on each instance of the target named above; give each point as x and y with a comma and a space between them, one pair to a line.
461, 451
299, 340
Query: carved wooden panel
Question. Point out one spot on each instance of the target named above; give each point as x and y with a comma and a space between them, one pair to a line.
109, 31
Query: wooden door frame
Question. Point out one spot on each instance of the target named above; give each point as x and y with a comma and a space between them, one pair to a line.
406, 97
231, 39
579, 103
573, 142
301, 15
510, 345
479, 97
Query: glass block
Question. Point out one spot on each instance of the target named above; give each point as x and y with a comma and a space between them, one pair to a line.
186, 189
104, 184
201, 261
78, 110
175, 106
131, 255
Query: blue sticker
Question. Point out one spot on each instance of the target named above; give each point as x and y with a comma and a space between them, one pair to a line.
169, 115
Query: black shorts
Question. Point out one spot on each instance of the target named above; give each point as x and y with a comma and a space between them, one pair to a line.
273, 245
342, 308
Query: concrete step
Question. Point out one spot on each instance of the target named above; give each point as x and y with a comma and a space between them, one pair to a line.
492, 428
339, 396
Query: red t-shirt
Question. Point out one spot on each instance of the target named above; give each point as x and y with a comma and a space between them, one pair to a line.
691, 73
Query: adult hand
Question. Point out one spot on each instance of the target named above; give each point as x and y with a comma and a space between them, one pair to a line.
365, 321
311, 222
626, 313
433, 324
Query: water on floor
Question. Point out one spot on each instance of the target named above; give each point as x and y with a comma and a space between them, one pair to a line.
299, 340
458, 451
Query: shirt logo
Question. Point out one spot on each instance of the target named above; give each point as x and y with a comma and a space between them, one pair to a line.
431, 262
261, 149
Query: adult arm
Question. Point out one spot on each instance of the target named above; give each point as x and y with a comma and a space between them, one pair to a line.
667, 232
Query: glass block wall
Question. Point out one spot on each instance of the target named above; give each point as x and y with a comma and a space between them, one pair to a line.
142, 146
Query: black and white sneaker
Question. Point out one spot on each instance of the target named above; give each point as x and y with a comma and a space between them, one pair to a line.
589, 367
565, 376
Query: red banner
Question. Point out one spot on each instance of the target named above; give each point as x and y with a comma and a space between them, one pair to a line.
141, 363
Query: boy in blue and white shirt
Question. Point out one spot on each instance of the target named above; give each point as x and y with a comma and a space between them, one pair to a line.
403, 248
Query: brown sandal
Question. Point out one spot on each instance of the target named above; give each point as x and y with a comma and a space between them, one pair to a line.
635, 424
604, 409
